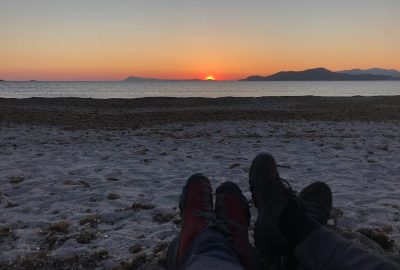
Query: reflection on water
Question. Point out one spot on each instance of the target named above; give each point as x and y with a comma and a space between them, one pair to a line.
195, 89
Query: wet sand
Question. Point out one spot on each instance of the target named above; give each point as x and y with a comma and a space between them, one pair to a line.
136, 113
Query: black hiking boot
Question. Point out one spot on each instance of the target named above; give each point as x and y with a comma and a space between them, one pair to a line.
316, 201
271, 195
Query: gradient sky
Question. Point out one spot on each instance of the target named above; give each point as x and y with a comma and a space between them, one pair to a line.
229, 39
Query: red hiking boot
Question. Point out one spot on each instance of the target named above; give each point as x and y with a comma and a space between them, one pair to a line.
196, 208
233, 215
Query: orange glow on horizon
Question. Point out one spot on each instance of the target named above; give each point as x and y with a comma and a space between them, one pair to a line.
76, 40
210, 78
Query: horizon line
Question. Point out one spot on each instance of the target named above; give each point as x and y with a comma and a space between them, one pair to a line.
193, 79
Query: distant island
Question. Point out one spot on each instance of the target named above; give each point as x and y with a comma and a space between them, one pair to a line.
140, 79
373, 71
320, 74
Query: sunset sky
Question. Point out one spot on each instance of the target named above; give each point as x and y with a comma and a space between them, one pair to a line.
228, 39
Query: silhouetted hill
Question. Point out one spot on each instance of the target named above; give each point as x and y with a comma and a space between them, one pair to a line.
140, 79
373, 71
317, 74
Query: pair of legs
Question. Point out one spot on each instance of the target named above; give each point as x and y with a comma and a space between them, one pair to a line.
210, 232
288, 230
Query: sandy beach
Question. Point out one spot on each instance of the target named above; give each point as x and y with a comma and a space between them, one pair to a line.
95, 183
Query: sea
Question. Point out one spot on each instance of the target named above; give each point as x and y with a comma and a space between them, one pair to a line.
208, 89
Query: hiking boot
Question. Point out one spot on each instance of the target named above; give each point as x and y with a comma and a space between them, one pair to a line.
233, 215
271, 195
316, 201
196, 208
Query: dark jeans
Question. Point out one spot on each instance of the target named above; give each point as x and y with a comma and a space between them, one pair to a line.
211, 250
323, 249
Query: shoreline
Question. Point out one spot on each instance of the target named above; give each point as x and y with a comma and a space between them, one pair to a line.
135, 113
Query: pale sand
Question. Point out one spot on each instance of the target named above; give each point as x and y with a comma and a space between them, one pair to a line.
51, 173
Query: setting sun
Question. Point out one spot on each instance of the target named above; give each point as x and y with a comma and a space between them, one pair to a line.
210, 78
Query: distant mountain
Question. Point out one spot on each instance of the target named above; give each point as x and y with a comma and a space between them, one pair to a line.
318, 74
140, 79
1, 80
372, 71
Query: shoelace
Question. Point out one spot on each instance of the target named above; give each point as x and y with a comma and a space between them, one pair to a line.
225, 225
207, 194
287, 184
219, 222
209, 216
292, 194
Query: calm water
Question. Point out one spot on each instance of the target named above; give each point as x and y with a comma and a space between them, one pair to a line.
195, 89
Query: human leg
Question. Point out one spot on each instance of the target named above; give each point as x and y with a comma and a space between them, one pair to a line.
272, 197
282, 225
316, 201
324, 249
195, 206
210, 250
200, 245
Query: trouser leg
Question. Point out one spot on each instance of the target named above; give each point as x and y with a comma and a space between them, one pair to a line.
210, 250
324, 249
